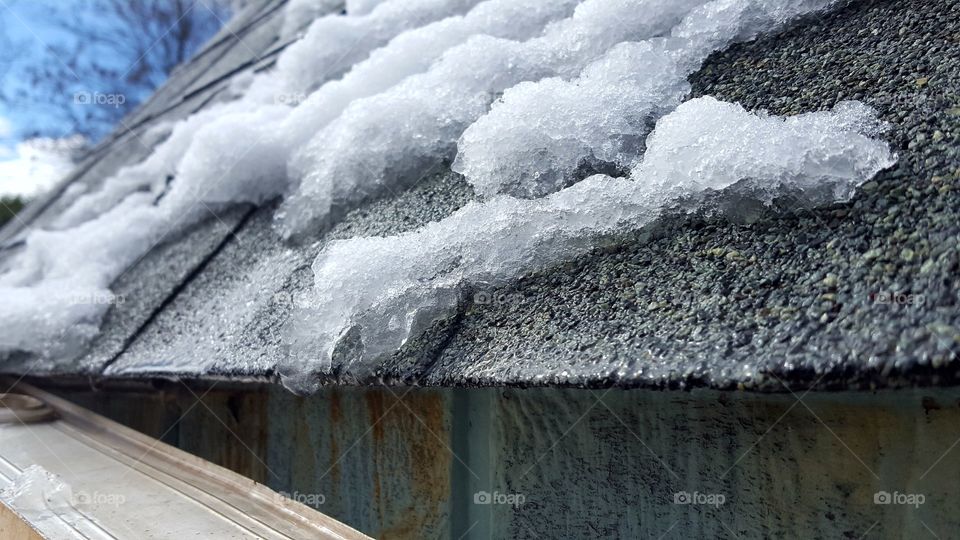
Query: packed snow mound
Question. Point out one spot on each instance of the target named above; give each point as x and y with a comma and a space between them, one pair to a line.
540, 136
410, 53
392, 139
334, 43
708, 145
260, 117
300, 13
380, 291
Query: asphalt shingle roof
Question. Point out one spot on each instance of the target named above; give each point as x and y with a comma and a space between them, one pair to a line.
783, 295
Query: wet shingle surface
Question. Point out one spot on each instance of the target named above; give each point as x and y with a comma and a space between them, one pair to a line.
850, 296
856, 295
203, 333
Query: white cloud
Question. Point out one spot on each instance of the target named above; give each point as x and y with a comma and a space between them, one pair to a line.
33, 166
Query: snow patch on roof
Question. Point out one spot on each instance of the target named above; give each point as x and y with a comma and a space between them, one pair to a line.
527, 98
388, 289
57, 289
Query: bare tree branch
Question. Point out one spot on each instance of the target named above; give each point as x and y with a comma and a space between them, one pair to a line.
108, 56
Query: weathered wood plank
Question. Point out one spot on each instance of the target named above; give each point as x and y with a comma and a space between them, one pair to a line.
494, 463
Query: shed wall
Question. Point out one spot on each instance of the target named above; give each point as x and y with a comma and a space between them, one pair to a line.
415, 462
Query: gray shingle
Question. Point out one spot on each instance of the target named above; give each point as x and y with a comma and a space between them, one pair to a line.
783, 294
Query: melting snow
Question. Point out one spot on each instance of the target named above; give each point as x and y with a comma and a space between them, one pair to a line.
527, 98
536, 138
391, 288
56, 293
394, 138
41, 497
300, 13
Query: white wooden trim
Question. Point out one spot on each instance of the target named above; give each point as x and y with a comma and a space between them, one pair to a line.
225, 494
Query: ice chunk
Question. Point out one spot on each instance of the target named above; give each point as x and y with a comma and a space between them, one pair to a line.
36, 490
43, 499
383, 290
535, 140
544, 135
50, 505
410, 53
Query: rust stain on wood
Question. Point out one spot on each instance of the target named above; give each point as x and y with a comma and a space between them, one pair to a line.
416, 426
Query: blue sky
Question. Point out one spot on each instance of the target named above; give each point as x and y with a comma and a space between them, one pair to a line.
28, 168
24, 22
26, 31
